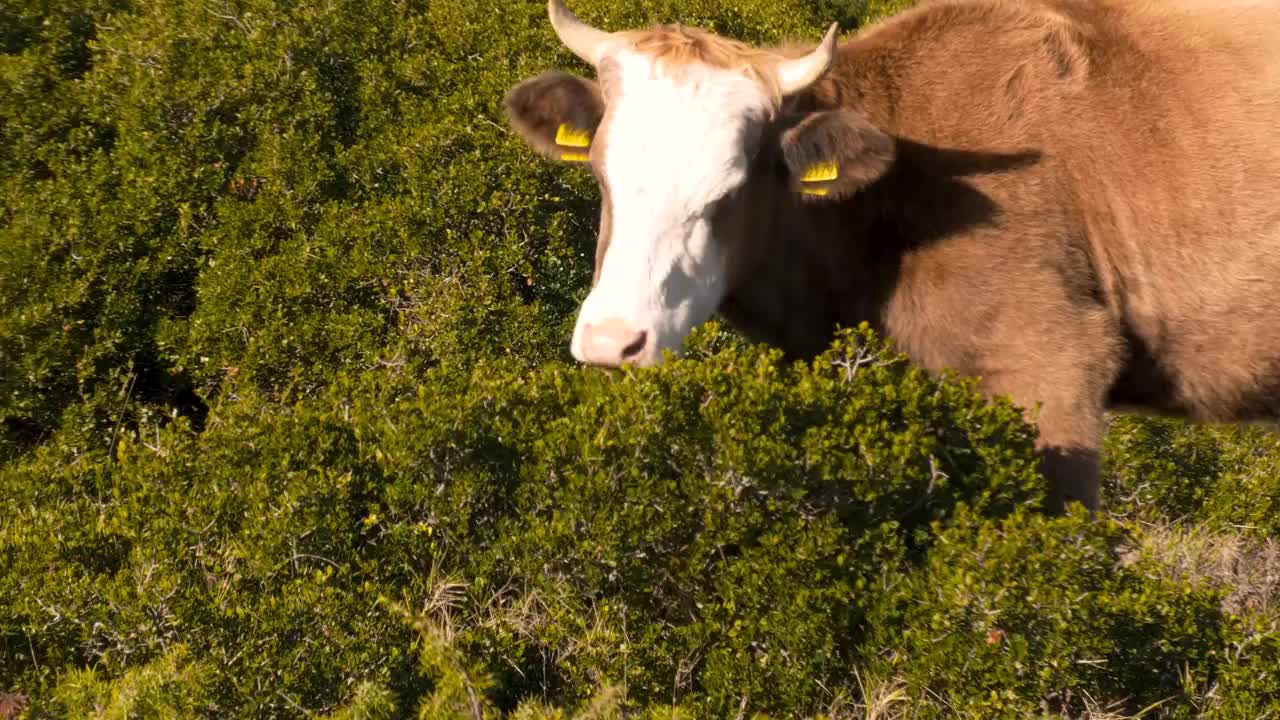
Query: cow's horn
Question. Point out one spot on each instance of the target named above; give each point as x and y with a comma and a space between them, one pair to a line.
797, 74
585, 41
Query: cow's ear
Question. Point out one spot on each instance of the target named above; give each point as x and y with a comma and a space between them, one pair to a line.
831, 154
556, 113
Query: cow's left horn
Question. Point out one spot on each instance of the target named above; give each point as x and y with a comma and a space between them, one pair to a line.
585, 41
797, 74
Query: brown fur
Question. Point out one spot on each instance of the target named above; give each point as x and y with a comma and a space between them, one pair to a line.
676, 46
1081, 207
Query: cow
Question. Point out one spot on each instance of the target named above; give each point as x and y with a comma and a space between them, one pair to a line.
1075, 201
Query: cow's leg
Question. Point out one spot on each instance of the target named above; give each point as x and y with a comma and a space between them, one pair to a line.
1067, 409
1074, 473
1031, 322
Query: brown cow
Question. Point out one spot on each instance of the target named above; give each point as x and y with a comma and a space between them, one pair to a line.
1077, 201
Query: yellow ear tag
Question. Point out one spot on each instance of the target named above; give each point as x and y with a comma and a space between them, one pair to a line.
821, 172
820, 192
570, 137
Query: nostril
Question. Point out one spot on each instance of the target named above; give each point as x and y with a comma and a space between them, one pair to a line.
610, 342
636, 345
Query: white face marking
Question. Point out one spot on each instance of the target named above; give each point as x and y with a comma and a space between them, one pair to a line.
673, 147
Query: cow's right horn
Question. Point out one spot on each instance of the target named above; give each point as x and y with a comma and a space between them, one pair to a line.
797, 74
585, 41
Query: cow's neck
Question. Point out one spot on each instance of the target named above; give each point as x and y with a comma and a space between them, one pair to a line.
815, 266
808, 275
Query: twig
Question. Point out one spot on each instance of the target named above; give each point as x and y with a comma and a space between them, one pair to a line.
115, 433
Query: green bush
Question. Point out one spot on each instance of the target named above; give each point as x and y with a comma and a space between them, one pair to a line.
725, 531
1223, 477
287, 428
169, 686
1249, 686
723, 520
1053, 629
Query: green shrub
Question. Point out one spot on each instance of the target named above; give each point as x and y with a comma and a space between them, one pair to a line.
723, 520
1222, 477
1249, 685
725, 531
999, 630
167, 687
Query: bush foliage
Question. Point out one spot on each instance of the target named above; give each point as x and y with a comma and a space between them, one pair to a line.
288, 428
1222, 477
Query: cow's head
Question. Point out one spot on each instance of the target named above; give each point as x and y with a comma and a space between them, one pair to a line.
673, 130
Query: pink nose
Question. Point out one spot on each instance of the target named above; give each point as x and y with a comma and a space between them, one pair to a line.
612, 342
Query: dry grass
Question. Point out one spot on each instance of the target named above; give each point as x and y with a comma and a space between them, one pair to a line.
888, 700
881, 700
1247, 568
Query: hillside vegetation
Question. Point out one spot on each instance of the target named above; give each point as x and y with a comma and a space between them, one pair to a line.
289, 429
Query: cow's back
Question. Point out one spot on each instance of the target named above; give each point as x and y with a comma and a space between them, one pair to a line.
1185, 218
1156, 125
